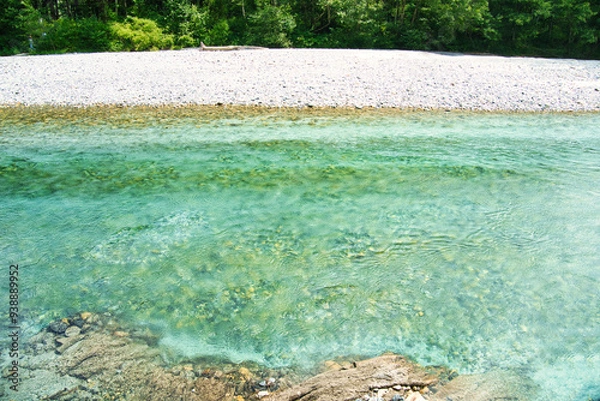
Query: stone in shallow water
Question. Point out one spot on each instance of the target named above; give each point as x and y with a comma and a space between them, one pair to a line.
245, 373
58, 327
78, 321
65, 343
45, 384
72, 331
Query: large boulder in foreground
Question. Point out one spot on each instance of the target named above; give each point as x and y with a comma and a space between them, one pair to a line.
384, 377
393, 378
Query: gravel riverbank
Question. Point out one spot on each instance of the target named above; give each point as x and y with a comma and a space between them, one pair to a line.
302, 78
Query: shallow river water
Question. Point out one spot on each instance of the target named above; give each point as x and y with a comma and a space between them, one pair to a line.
465, 240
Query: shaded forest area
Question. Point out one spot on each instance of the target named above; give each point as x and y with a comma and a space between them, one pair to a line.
550, 28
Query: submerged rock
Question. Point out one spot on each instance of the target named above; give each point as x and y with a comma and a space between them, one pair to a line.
58, 327
500, 385
72, 331
78, 321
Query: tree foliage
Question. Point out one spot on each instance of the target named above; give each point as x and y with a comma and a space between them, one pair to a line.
138, 34
560, 28
271, 25
12, 34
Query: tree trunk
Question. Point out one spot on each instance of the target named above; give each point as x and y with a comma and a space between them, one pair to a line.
415, 13
402, 12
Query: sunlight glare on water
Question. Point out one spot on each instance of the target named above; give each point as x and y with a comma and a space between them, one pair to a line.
469, 241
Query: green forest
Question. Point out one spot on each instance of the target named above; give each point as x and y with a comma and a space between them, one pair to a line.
548, 28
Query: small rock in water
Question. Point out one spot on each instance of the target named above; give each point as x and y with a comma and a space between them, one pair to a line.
94, 319
58, 327
120, 333
262, 394
246, 374
65, 343
78, 321
416, 396
72, 331
332, 365
85, 315
397, 397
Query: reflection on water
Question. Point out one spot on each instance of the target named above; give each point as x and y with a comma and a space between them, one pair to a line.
464, 240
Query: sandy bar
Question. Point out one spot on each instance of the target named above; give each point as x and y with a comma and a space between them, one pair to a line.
302, 78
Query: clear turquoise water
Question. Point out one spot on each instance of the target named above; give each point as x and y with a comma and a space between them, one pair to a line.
470, 241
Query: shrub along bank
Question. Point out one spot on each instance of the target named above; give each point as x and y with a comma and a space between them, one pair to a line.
555, 28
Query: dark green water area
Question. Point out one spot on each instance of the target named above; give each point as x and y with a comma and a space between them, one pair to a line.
287, 238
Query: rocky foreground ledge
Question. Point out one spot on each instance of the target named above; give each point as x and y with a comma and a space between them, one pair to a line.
91, 357
302, 78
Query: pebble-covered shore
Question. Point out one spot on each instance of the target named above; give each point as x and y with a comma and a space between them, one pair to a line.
302, 78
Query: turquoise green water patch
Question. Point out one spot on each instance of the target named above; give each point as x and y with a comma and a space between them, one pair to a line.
464, 240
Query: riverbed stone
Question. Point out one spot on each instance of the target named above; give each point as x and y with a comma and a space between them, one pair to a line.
65, 343
85, 315
78, 321
72, 331
245, 373
45, 384
332, 365
58, 326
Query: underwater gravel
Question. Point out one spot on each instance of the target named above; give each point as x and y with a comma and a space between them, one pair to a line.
302, 78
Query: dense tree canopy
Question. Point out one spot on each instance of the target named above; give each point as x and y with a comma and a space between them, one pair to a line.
558, 28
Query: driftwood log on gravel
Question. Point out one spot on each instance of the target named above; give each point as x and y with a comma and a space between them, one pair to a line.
203, 47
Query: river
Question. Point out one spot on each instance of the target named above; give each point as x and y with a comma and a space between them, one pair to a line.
465, 240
